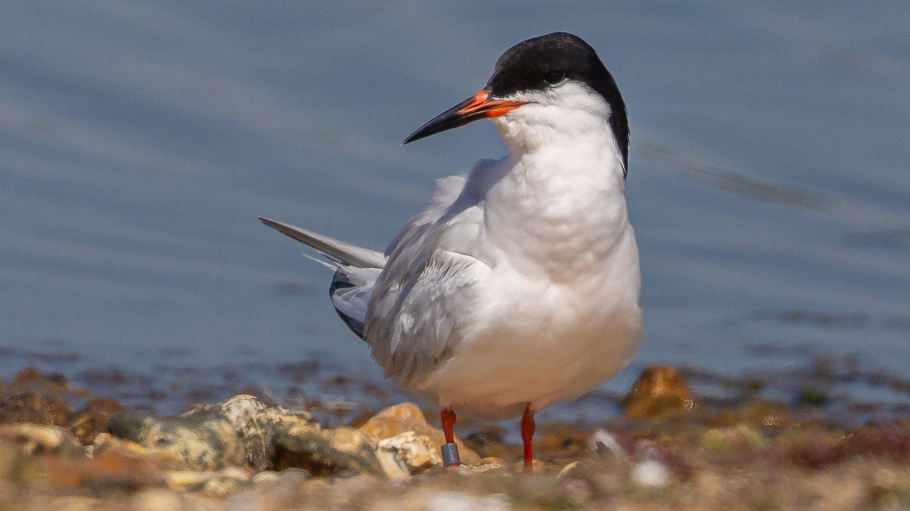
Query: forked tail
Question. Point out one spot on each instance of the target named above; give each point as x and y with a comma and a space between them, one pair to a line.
337, 251
356, 270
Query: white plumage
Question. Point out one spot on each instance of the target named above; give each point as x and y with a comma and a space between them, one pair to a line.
519, 282
518, 285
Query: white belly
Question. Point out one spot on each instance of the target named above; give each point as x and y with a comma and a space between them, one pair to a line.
539, 342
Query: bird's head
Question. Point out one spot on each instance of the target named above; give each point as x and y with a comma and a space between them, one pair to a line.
547, 87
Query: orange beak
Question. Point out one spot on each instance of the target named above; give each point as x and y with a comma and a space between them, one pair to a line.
478, 106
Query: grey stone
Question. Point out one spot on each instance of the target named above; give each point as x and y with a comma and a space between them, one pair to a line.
204, 440
339, 451
257, 424
244, 431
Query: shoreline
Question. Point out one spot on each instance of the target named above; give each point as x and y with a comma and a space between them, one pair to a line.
664, 446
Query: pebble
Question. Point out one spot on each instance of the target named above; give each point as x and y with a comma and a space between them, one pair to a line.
405, 417
204, 441
336, 452
39, 439
241, 431
109, 471
35, 407
92, 419
266, 476
259, 424
407, 454
659, 392
651, 474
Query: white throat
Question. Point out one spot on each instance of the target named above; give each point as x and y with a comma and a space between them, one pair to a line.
556, 204
567, 118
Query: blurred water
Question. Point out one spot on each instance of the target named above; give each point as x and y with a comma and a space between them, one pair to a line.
768, 179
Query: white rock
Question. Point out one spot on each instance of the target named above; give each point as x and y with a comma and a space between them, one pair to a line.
407, 454
651, 474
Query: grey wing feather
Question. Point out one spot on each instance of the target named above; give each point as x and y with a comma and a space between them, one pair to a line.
404, 304
350, 290
411, 320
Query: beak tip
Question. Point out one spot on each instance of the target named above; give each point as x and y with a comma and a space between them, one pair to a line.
478, 106
417, 135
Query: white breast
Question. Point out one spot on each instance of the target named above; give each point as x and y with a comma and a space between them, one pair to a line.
559, 313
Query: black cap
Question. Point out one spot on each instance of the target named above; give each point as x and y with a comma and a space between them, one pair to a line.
543, 61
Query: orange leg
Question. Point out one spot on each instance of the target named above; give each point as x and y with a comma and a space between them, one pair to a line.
448, 427
527, 434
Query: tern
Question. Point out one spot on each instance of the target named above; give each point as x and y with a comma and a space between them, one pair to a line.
518, 285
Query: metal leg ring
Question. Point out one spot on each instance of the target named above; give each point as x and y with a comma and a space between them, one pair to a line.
450, 457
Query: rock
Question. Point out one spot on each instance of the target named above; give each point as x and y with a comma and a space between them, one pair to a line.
267, 476
339, 451
215, 483
92, 419
107, 471
204, 440
238, 432
407, 454
660, 392
165, 460
33, 407
405, 417
259, 424
106, 441
651, 474
244, 431
38, 439
27, 375
32, 378
727, 442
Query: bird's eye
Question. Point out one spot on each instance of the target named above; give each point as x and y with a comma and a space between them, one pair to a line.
554, 77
